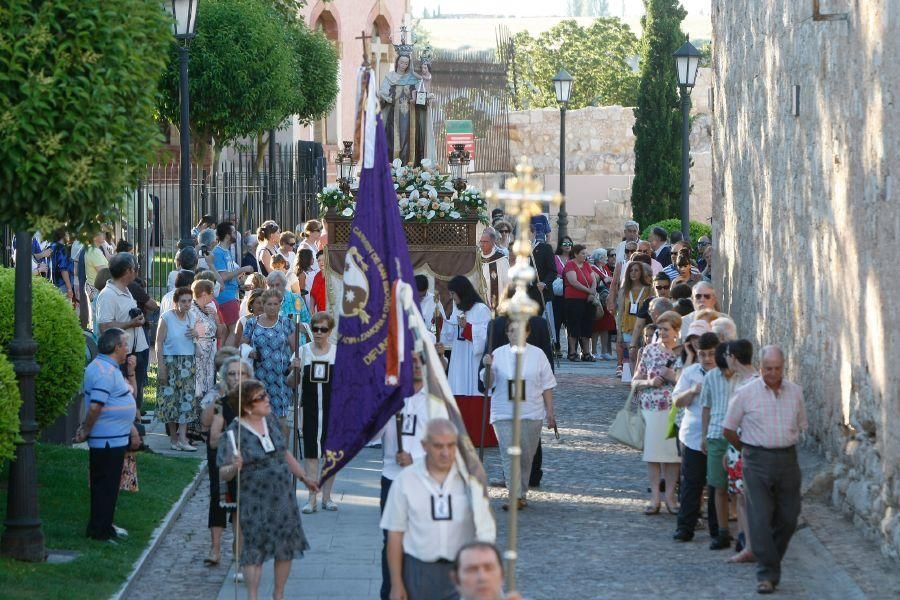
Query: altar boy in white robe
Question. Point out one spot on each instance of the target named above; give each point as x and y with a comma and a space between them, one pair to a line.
465, 333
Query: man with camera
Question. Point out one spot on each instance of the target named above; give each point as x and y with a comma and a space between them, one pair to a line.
117, 309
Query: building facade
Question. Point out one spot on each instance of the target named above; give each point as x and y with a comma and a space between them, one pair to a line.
806, 154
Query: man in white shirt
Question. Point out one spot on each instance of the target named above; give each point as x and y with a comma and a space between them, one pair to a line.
690, 434
494, 267
428, 518
401, 443
704, 296
631, 233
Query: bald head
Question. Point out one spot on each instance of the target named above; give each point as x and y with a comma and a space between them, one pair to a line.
440, 427
771, 366
773, 351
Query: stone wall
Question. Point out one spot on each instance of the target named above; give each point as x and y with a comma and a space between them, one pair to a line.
600, 162
807, 224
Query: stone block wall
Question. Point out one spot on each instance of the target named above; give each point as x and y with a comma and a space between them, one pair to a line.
807, 223
600, 162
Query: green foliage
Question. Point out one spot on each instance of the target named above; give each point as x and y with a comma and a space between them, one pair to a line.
60, 352
596, 56
697, 229
315, 73
656, 189
10, 401
241, 73
77, 120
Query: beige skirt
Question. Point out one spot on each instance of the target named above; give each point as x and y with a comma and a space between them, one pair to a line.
657, 449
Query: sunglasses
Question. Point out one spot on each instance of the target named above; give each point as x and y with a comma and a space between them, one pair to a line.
702, 296
662, 287
504, 231
320, 329
569, 244
259, 398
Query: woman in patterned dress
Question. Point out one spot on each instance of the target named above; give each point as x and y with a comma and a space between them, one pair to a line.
653, 383
254, 446
272, 338
203, 326
739, 356
175, 375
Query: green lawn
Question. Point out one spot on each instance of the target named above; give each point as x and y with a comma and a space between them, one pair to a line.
64, 505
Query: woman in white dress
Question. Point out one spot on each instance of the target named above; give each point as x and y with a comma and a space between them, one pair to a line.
465, 332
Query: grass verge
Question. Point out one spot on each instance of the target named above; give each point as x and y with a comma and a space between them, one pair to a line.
64, 500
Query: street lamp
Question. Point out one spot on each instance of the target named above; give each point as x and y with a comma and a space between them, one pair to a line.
563, 83
459, 160
345, 164
184, 19
687, 59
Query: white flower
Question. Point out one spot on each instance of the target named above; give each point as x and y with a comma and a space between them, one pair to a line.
448, 185
396, 186
397, 163
410, 187
404, 203
427, 163
445, 206
425, 176
424, 201
430, 214
414, 195
347, 212
409, 215
454, 214
401, 172
432, 193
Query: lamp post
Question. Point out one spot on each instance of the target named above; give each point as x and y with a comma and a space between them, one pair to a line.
345, 164
687, 59
458, 161
563, 83
23, 538
184, 17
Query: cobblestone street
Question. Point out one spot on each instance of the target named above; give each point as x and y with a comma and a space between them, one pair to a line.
582, 536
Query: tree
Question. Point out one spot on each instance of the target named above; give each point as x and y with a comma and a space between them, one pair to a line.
241, 74
77, 120
656, 189
596, 56
315, 83
588, 8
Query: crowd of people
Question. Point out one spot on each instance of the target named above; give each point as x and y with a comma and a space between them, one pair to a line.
243, 337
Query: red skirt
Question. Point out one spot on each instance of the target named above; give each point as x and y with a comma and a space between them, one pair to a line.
471, 408
605, 323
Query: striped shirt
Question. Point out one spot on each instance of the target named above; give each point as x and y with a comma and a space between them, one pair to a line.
105, 385
716, 391
767, 419
672, 271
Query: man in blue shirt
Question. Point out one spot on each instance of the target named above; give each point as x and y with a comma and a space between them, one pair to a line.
227, 271
108, 428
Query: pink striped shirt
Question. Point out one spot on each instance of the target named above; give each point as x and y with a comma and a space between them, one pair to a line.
767, 419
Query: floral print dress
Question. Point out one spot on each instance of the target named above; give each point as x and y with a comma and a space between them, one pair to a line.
654, 361
273, 359
204, 350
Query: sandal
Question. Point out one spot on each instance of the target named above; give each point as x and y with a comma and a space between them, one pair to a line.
329, 505
588, 358
212, 560
765, 587
619, 371
573, 357
651, 509
744, 556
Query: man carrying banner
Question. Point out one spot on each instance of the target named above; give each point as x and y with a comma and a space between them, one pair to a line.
428, 518
401, 442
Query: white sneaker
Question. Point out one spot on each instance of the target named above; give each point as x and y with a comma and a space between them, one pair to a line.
186, 447
310, 507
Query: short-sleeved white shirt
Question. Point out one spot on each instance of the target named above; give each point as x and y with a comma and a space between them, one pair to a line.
414, 417
690, 430
409, 510
538, 378
113, 304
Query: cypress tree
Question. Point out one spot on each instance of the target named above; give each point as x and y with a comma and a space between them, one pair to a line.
656, 190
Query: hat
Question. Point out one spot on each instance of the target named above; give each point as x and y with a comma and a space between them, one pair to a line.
698, 328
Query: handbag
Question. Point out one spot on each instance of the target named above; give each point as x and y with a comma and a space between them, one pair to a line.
672, 422
628, 426
558, 286
129, 480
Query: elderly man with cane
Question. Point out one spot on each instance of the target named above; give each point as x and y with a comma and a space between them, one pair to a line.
769, 412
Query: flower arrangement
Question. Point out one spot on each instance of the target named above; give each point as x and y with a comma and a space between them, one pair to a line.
332, 197
423, 194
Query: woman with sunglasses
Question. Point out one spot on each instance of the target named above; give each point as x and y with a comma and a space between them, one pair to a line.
254, 446
314, 365
505, 229
287, 247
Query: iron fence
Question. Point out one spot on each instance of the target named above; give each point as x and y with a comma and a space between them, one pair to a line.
282, 186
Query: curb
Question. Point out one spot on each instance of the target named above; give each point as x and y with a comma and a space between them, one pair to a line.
160, 532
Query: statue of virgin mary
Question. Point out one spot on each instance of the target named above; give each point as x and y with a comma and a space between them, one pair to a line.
405, 121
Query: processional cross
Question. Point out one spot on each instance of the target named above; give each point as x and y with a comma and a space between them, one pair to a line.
365, 38
522, 198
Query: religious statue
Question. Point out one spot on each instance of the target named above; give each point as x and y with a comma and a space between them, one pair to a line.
405, 108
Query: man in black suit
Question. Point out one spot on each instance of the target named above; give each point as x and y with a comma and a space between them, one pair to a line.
662, 251
542, 257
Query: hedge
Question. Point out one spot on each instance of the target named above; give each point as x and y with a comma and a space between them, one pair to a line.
9, 409
698, 229
60, 351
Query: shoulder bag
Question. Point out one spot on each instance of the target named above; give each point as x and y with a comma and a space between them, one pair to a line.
628, 427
